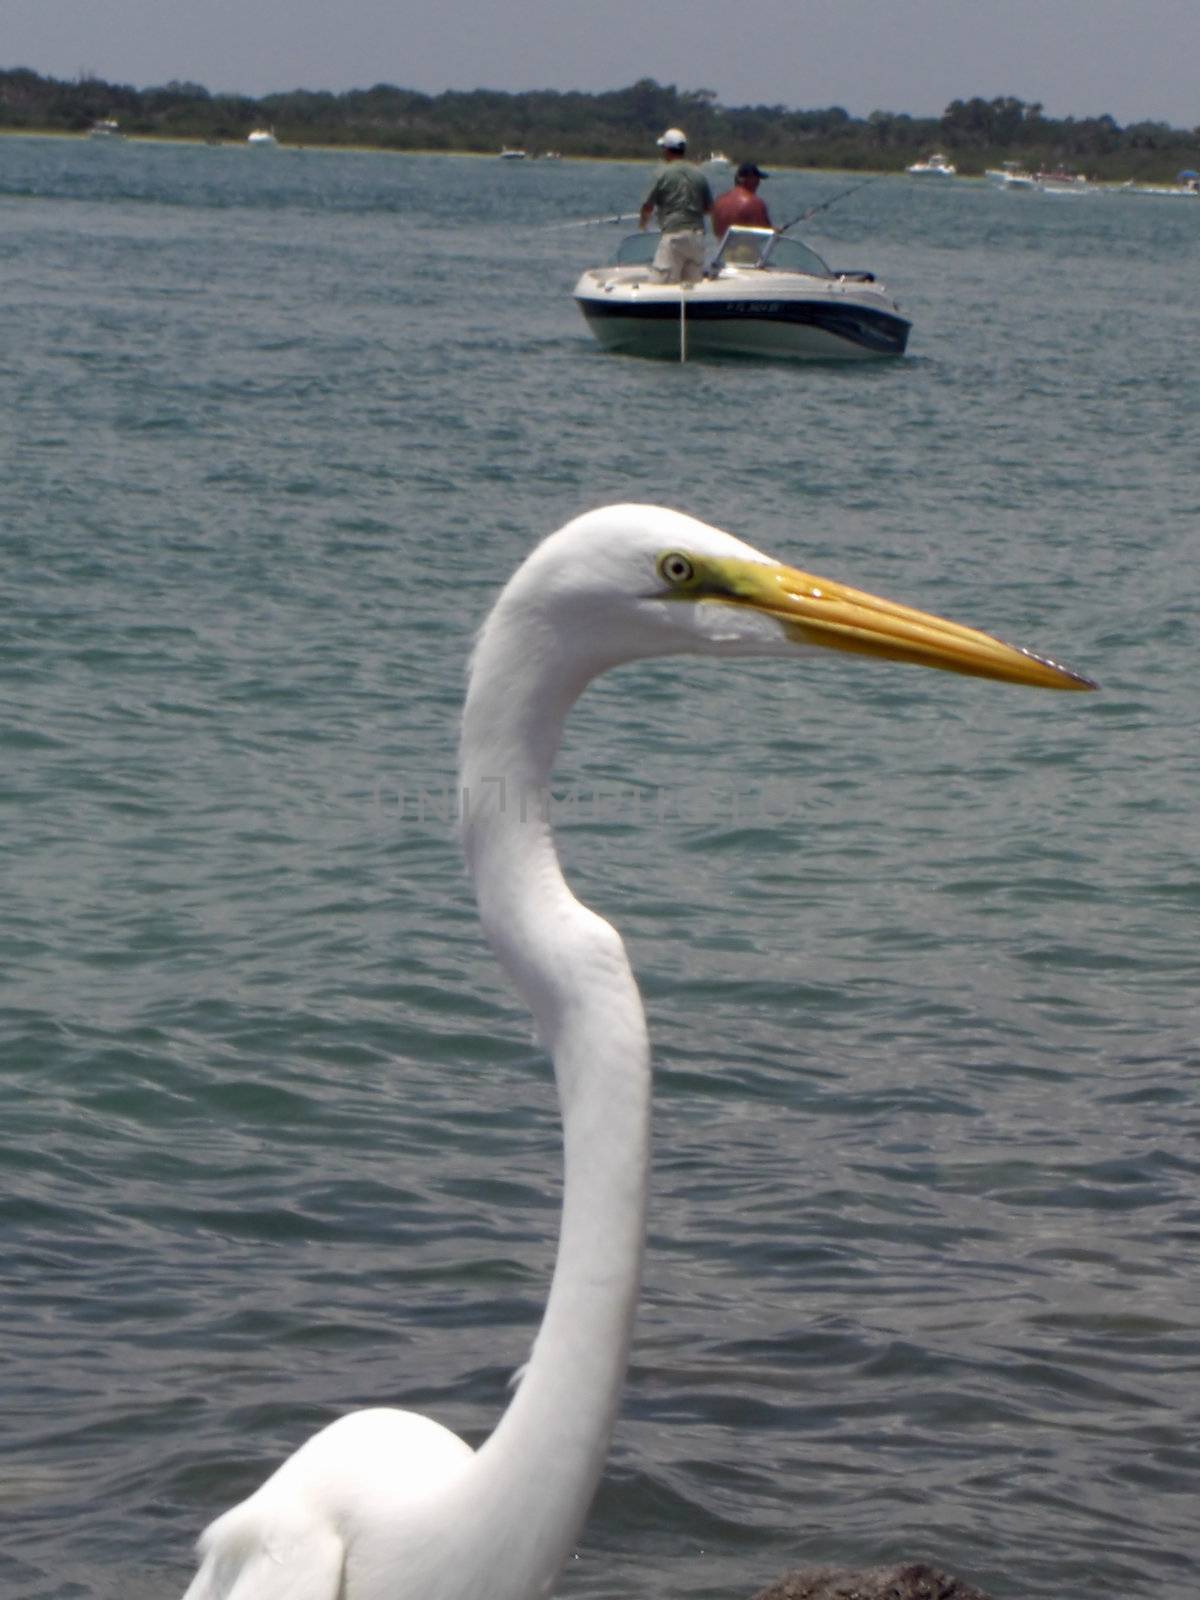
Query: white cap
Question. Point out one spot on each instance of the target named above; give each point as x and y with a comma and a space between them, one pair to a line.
673, 139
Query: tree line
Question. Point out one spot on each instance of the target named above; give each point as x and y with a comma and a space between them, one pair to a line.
620, 123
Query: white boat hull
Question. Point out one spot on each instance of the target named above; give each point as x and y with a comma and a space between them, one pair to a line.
935, 167
806, 321
1162, 191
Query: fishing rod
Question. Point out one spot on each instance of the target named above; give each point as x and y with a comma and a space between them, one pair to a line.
632, 216
825, 204
594, 222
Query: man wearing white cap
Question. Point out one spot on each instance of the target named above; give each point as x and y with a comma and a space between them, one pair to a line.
681, 197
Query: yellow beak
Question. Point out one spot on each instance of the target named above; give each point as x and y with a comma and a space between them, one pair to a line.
818, 612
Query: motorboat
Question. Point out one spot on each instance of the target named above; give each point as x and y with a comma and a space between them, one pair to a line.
508, 154
1188, 184
1011, 175
1062, 182
761, 295
106, 128
261, 138
935, 166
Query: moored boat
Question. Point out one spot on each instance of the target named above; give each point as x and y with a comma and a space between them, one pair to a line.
1163, 191
761, 295
1011, 175
934, 166
1060, 181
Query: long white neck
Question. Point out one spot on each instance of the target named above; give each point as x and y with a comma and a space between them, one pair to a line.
532, 1481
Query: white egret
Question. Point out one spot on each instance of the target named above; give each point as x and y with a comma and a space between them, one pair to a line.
388, 1505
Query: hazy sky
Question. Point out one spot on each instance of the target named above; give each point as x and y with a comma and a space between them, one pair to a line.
1134, 59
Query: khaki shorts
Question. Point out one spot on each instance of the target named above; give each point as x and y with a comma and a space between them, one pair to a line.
680, 256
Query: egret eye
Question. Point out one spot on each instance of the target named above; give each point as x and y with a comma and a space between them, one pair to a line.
675, 567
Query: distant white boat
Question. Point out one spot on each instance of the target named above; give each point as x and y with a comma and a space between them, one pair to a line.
261, 138
936, 166
106, 128
717, 158
1190, 186
512, 155
1011, 175
1060, 182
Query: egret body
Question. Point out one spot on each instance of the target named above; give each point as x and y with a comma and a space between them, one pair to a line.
389, 1505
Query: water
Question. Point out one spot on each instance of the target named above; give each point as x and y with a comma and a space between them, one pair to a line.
918, 952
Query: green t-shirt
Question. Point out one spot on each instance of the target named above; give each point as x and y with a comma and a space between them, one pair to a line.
680, 195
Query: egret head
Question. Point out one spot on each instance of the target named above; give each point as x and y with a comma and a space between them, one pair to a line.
632, 581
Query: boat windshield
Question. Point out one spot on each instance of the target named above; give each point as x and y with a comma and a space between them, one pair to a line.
763, 247
742, 247
637, 251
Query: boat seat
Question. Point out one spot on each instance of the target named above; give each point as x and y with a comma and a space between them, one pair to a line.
745, 252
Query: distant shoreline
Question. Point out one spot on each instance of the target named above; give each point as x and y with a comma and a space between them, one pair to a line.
284, 147
287, 146
977, 135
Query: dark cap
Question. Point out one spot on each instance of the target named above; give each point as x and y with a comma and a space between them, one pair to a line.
749, 170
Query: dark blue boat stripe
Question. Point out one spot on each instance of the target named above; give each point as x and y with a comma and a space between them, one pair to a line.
861, 325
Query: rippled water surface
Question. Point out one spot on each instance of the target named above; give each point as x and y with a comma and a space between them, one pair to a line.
919, 952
